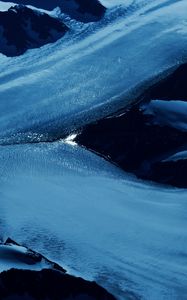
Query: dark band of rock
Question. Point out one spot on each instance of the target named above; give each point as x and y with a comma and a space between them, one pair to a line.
48, 284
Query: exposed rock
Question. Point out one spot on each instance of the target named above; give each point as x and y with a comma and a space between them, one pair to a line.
82, 10
172, 172
22, 28
173, 87
133, 141
48, 284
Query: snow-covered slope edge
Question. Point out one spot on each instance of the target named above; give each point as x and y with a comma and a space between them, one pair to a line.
16, 256
32, 276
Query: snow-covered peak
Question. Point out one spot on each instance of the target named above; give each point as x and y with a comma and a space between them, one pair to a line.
22, 28
82, 10
5, 5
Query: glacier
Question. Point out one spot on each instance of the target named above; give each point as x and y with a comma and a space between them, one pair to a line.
98, 222
78, 80
67, 203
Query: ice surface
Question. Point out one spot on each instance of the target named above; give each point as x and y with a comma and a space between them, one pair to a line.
72, 82
111, 3
80, 211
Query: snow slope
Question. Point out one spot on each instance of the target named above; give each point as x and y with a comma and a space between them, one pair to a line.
84, 213
5, 5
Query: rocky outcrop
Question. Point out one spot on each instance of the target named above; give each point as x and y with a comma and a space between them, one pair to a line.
172, 87
12, 254
49, 282
135, 142
172, 172
22, 28
82, 10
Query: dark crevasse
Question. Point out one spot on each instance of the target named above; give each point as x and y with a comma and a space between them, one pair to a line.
133, 140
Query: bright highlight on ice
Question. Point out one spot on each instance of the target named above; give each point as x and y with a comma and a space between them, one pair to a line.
71, 139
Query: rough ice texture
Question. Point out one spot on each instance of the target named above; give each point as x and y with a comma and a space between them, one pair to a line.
81, 78
80, 211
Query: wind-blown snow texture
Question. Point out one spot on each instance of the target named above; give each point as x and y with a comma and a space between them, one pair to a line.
67, 203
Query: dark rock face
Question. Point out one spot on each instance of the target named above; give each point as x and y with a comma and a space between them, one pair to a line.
173, 172
173, 87
135, 143
50, 283
82, 10
22, 28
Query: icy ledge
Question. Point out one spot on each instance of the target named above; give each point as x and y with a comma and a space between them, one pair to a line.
35, 277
